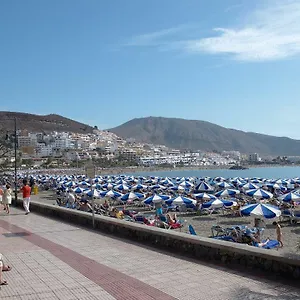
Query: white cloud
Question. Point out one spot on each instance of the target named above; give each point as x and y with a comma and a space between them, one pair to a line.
156, 38
270, 33
273, 33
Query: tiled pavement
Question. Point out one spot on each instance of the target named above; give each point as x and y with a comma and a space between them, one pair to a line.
55, 260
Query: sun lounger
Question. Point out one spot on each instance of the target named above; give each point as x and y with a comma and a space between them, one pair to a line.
286, 215
295, 218
217, 230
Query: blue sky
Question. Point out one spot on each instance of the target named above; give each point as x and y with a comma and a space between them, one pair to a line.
231, 62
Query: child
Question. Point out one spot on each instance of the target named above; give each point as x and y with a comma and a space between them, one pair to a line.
278, 233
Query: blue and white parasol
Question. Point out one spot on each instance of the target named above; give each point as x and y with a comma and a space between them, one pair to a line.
132, 196
111, 194
156, 199
227, 192
78, 190
218, 203
205, 196
259, 193
204, 187
292, 196
92, 193
261, 210
179, 200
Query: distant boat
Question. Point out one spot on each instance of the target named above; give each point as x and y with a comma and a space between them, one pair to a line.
238, 167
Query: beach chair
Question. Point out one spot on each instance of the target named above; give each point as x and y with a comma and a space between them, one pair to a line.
217, 230
295, 217
139, 219
192, 230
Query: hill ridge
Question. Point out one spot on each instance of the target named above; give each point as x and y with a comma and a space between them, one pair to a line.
202, 135
41, 123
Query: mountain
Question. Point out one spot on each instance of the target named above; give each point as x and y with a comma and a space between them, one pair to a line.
201, 135
39, 123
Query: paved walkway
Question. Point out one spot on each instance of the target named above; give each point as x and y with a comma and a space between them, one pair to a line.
54, 260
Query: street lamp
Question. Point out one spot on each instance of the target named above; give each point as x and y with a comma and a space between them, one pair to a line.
15, 162
15, 165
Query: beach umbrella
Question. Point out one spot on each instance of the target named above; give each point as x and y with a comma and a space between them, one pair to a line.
178, 188
259, 193
71, 184
250, 186
92, 193
167, 181
108, 185
132, 196
204, 187
186, 184
122, 187
121, 181
138, 187
256, 180
78, 190
84, 183
224, 185
110, 194
227, 192
219, 179
292, 196
261, 210
205, 196
98, 180
157, 187
180, 200
97, 186
156, 199
218, 203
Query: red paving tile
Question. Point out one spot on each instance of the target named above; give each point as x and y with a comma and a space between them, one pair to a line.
119, 285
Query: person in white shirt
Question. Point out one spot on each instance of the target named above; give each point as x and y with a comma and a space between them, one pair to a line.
70, 199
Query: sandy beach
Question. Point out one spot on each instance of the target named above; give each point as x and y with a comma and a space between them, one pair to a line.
203, 223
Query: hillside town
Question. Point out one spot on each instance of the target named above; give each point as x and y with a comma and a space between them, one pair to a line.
38, 149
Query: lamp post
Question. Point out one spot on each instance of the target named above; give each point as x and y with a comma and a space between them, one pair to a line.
15, 164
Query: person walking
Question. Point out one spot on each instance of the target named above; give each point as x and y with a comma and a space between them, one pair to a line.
7, 195
278, 233
1, 195
26, 190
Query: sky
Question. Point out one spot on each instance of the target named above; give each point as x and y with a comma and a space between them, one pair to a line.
234, 63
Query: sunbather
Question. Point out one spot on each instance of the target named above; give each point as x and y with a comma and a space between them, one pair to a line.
3, 268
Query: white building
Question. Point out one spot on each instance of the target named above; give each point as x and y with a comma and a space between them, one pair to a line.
62, 142
254, 157
24, 141
43, 150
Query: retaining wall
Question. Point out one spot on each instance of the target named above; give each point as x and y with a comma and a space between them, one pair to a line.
193, 246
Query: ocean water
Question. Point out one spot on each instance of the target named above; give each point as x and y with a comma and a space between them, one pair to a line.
269, 172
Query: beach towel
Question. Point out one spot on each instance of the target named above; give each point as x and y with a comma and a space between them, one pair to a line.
271, 244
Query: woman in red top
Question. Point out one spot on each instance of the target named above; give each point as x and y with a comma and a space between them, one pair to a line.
26, 190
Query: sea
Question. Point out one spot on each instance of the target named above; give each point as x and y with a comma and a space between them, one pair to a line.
266, 172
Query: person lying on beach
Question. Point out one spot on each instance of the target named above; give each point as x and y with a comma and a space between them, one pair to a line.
171, 219
85, 206
3, 268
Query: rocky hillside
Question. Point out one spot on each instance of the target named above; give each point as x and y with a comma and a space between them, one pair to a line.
38, 123
200, 135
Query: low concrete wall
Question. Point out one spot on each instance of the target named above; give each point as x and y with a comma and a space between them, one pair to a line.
193, 246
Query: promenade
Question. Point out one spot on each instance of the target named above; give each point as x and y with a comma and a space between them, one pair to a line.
55, 260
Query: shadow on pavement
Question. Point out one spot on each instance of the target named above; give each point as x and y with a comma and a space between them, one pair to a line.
247, 294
